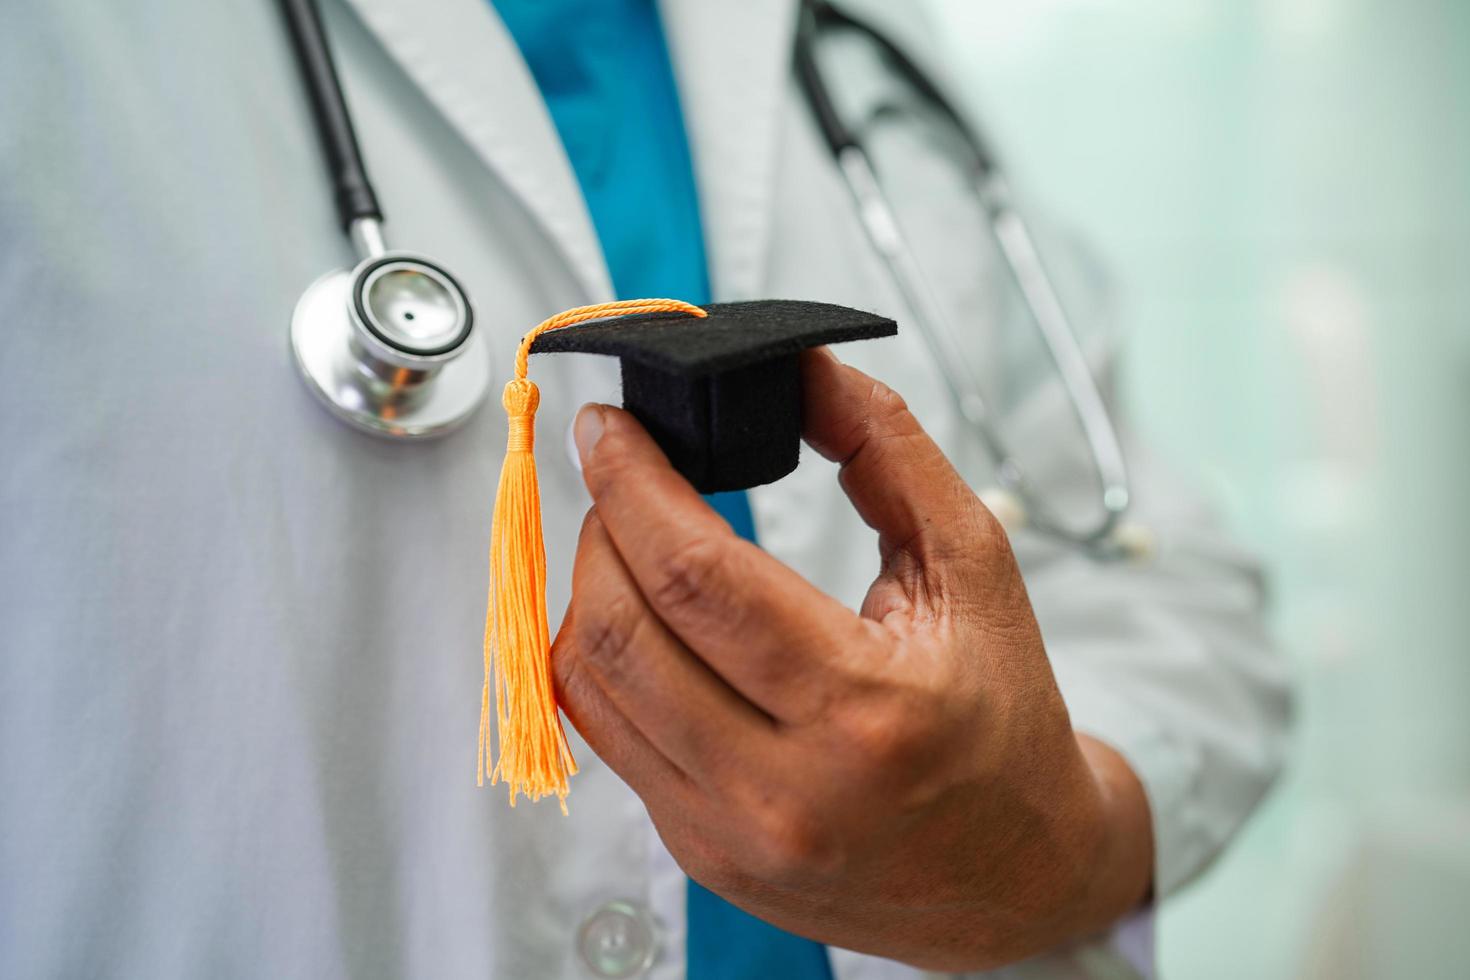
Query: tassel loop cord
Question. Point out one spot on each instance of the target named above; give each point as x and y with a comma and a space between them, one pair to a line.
598, 311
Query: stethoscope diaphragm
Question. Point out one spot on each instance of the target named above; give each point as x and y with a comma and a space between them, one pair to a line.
390, 347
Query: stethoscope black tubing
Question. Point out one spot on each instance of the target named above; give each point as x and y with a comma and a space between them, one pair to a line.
817, 14
352, 189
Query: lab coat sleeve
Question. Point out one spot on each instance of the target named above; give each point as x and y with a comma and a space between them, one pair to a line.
1166, 659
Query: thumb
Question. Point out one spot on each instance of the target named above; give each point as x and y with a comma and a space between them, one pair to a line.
897, 477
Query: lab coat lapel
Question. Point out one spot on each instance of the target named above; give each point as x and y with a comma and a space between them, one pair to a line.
733, 65
461, 56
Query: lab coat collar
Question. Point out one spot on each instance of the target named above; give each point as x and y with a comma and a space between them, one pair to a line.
468, 66
732, 62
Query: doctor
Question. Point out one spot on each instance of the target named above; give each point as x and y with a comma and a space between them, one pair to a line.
239, 676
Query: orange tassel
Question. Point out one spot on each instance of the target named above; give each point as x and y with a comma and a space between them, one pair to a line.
533, 755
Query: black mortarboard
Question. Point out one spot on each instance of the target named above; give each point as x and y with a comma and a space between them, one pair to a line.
721, 394
719, 389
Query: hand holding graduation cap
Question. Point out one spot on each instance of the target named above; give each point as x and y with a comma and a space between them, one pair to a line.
904, 781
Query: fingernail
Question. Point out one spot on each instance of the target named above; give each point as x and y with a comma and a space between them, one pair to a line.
587, 430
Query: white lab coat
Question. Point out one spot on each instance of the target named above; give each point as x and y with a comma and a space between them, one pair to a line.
241, 670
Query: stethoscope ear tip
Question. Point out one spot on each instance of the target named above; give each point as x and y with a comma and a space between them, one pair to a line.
1128, 541
1134, 543
1005, 506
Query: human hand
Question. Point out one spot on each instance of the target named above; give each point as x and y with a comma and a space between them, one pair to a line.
902, 781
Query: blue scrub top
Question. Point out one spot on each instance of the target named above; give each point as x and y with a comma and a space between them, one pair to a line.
603, 68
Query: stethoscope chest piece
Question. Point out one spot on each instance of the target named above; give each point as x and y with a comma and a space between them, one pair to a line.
391, 348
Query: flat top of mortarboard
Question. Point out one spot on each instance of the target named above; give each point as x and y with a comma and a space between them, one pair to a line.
733, 335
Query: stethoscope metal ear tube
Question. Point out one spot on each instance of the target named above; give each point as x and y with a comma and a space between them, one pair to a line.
1022, 260
1026, 268
390, 345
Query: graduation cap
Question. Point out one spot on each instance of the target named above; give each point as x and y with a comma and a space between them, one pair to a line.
719, 389
721, 395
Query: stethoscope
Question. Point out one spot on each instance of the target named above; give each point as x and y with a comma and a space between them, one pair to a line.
390, 346
1019, 502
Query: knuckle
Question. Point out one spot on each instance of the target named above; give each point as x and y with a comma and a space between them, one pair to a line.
887, 737
686, 573
591, 524
605, 634
564, 665
798, 843
703, 861
885, 403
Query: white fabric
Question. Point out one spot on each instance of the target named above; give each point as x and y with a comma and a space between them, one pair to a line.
240, 669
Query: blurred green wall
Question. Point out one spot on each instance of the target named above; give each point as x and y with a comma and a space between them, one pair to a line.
1283, 192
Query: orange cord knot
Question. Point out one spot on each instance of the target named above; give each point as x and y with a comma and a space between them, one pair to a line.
521, 400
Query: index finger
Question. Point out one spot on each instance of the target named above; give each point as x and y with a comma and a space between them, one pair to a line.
765, 630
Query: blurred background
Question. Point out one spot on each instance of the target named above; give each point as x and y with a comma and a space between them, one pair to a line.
1282, 189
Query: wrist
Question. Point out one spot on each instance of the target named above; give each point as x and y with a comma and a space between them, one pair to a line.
1095, 865
1121, 871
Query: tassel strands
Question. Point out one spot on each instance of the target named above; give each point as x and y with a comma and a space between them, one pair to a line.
533, 757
